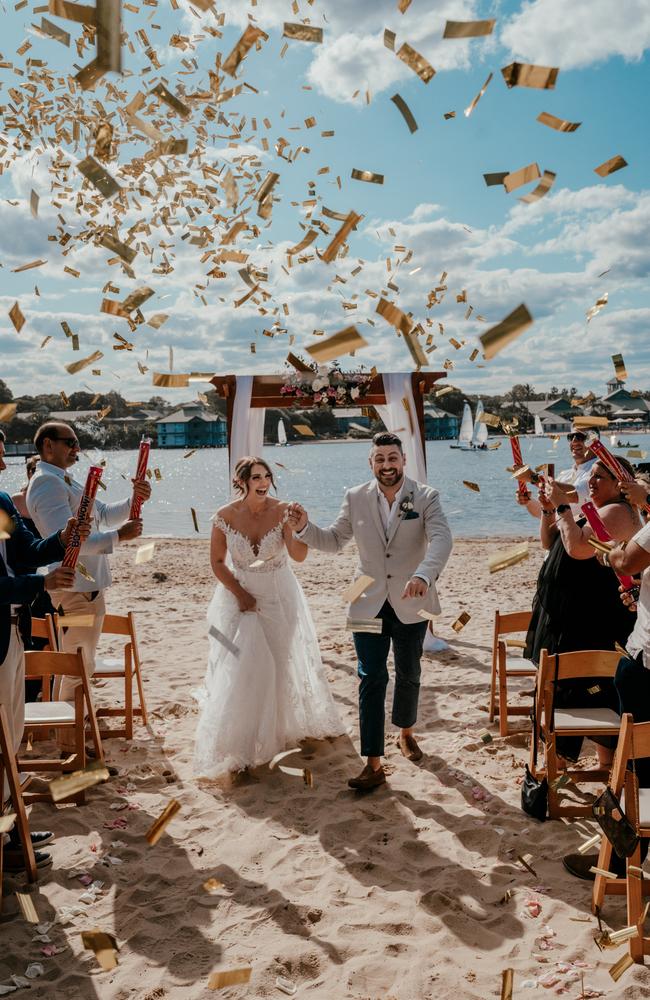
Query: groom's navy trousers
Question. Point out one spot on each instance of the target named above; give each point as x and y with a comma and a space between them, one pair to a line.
372, 653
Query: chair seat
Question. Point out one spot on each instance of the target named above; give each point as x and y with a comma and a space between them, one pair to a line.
644, 805
518, 665
48, 713
110, 666
586, 718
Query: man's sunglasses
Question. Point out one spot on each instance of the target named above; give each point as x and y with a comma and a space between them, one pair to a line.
69, 442
576, 437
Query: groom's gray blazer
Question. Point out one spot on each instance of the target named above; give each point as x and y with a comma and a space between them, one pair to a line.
415, 546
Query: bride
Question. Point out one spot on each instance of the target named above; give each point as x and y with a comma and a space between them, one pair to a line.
265, 687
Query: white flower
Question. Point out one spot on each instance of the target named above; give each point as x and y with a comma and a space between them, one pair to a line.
354, 393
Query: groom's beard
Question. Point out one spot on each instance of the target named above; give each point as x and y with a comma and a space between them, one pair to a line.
390, 478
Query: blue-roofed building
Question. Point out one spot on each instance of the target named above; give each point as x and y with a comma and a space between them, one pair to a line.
191, 426
439, 425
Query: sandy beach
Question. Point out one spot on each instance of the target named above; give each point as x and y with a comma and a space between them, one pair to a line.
413, 891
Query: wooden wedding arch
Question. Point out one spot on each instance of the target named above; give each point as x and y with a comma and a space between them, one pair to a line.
266, 394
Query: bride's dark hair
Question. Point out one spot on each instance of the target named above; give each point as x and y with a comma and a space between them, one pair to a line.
243, 471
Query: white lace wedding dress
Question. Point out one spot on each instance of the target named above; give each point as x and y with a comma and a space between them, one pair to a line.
265, 687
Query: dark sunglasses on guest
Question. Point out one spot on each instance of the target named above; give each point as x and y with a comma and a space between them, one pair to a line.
69, 442
576, 436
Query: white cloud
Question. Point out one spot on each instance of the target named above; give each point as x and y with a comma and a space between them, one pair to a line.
578, 33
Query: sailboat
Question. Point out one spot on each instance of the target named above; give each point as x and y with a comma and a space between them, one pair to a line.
479, 437
282, 435
539, 430
466, 431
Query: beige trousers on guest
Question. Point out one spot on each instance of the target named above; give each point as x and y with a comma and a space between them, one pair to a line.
12, 694
77, 603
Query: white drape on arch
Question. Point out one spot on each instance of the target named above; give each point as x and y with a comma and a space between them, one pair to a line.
247, 431
398, 387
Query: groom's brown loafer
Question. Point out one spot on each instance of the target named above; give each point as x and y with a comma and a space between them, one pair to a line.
369, 778
409, 747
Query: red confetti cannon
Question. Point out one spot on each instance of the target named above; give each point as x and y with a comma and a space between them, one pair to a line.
601, 532
83, 514
604, 455
517, 459
141, 472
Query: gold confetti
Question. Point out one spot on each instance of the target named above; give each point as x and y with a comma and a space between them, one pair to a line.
497, 337
76, 366
542, 189
497, 178
71, 784
98, 177
27, 908
507, 979
342, 342
368, 176
610, 166
403, 5
194, 519
623, 964
462, 620
519, 177
591, 422
619, 367
111, 242
405, 112
354, 591
389, 39
587, 845
16, 317
525, 860
302, 32
600, 304
468, 110
157, 828
528, 75
508, 557
230, 977
28, 267
559, 124
471, 486
468, 29
249, 38
304, 430
33, 204
144, 553
104, 945
351, 222
170, 381
166, 96
416, 62
415, 348
73, 11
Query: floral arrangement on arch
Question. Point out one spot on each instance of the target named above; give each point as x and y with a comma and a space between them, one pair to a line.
327, 386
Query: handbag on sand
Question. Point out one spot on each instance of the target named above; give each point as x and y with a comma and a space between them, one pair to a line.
534, 791
610, 817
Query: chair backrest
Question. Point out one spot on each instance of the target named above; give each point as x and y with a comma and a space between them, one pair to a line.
582, 663
514, 621
40, 664
43, 628
116, 625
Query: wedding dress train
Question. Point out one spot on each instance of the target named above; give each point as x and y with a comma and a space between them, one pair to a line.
265, 687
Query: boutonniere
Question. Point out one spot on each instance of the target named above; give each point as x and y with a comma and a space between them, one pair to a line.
406, 508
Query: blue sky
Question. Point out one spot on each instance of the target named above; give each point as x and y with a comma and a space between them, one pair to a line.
434, 198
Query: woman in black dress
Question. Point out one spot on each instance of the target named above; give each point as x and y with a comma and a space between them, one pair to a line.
577, 604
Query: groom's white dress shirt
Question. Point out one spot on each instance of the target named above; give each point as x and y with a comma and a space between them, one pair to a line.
53, 496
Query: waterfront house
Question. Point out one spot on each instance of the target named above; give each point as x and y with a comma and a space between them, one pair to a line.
191, 426
439, 425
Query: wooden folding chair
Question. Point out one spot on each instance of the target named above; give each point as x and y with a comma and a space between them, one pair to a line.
61, 715
588, 722
633, 743
505, 665
8, 765
128, 667
44, 628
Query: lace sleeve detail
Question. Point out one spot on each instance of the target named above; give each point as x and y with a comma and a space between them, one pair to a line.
220, 523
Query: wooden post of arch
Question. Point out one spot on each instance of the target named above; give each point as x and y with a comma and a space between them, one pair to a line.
266, 393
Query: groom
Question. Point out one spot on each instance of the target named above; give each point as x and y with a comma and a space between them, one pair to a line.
404, 542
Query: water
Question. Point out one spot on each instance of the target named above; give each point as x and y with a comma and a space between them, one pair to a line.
318, 474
